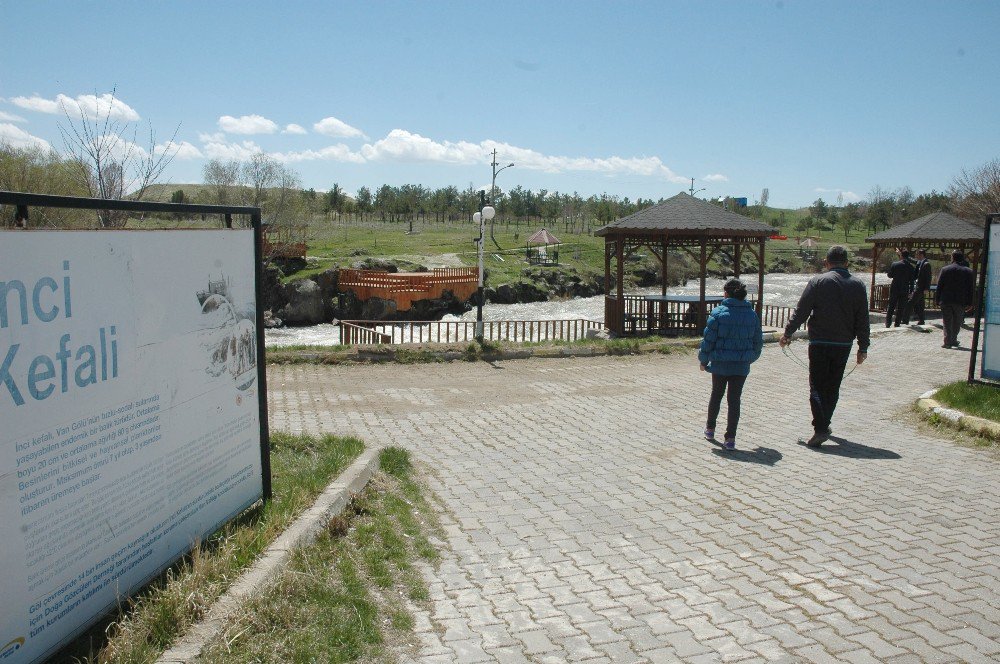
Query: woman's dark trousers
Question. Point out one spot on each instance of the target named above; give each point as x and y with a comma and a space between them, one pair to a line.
733, 387
826, 370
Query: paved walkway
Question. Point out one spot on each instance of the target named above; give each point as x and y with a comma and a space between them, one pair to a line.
589, 521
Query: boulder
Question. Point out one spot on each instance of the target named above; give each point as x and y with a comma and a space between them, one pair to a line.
375, 308
306, 304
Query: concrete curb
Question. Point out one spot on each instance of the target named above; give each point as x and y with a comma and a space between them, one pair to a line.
274, 559
958, 419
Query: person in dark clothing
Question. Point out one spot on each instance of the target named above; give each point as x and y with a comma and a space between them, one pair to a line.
922, 284
954, 294
733, 339
836, 306
902, 273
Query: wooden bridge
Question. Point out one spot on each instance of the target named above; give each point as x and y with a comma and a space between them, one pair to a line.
405, 288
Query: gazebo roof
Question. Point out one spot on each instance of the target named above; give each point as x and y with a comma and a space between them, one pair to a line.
543, 237
685, 215
933, 227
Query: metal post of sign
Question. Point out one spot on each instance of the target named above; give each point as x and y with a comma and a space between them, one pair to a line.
265, 442
980, 300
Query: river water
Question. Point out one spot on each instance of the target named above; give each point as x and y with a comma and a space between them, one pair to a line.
779, 289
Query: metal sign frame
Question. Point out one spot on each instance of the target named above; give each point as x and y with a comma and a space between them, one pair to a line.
980, 302
22, 202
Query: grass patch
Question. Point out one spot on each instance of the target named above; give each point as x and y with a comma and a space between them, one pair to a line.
302, 466
979, 400
346, 597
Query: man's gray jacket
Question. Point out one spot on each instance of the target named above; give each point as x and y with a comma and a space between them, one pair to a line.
836, 305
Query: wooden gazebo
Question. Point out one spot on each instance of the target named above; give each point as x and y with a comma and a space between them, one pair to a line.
938, 233
682, 222
537, 248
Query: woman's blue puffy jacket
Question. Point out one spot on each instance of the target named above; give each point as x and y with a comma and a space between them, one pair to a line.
733, 338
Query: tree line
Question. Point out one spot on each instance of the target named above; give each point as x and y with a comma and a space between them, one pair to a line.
264, 182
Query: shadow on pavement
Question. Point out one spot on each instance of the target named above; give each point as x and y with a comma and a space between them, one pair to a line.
761, 455
846, 448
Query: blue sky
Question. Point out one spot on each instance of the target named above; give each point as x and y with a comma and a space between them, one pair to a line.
808, 99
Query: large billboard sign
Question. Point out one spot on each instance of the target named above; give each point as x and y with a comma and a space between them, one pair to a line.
130, 409
991, 329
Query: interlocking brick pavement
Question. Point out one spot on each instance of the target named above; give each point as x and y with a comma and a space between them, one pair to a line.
588, 521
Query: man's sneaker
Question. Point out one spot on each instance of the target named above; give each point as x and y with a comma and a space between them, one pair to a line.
730, 443
709, 434
819, 438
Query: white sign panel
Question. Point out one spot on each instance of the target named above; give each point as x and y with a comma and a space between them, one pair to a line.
991, 330
129, 411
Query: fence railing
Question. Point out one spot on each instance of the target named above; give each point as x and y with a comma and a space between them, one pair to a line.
772, 315
352, 334
412, 332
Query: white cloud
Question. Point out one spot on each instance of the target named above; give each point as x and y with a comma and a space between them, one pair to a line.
36, 104
182, 150
217, 137
10, 117
401, 145
19, 138
339, 152
90, 106
334, 128
715, 177
294, 129
247, 124
223, 150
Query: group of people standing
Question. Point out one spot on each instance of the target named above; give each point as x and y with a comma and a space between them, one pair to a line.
834, 308
911, 280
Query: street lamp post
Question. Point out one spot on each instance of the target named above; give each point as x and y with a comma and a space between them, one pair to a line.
693, 191
486, 212
493, 189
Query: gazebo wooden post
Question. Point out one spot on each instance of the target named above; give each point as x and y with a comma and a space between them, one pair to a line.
703, 269
620, 292
871, 291
737, 247
663, 264
760, 279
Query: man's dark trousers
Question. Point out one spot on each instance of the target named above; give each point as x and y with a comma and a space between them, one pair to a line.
952, 315
899, 302
826, 371
917, 305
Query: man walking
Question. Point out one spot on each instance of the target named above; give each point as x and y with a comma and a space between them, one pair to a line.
901, 272
923, 283
836, 305
954, 294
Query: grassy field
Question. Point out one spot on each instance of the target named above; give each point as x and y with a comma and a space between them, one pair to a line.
335, 243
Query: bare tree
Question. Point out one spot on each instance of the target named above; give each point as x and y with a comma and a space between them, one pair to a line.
977, 192
260, 173
224, 179
110, 163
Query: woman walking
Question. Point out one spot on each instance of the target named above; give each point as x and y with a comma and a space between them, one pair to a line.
733, 339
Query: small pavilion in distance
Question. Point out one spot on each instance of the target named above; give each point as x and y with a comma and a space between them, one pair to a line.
938, 233
699, 228
542, 248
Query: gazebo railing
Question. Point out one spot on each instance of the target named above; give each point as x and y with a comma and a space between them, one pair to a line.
638, 316
880, 298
